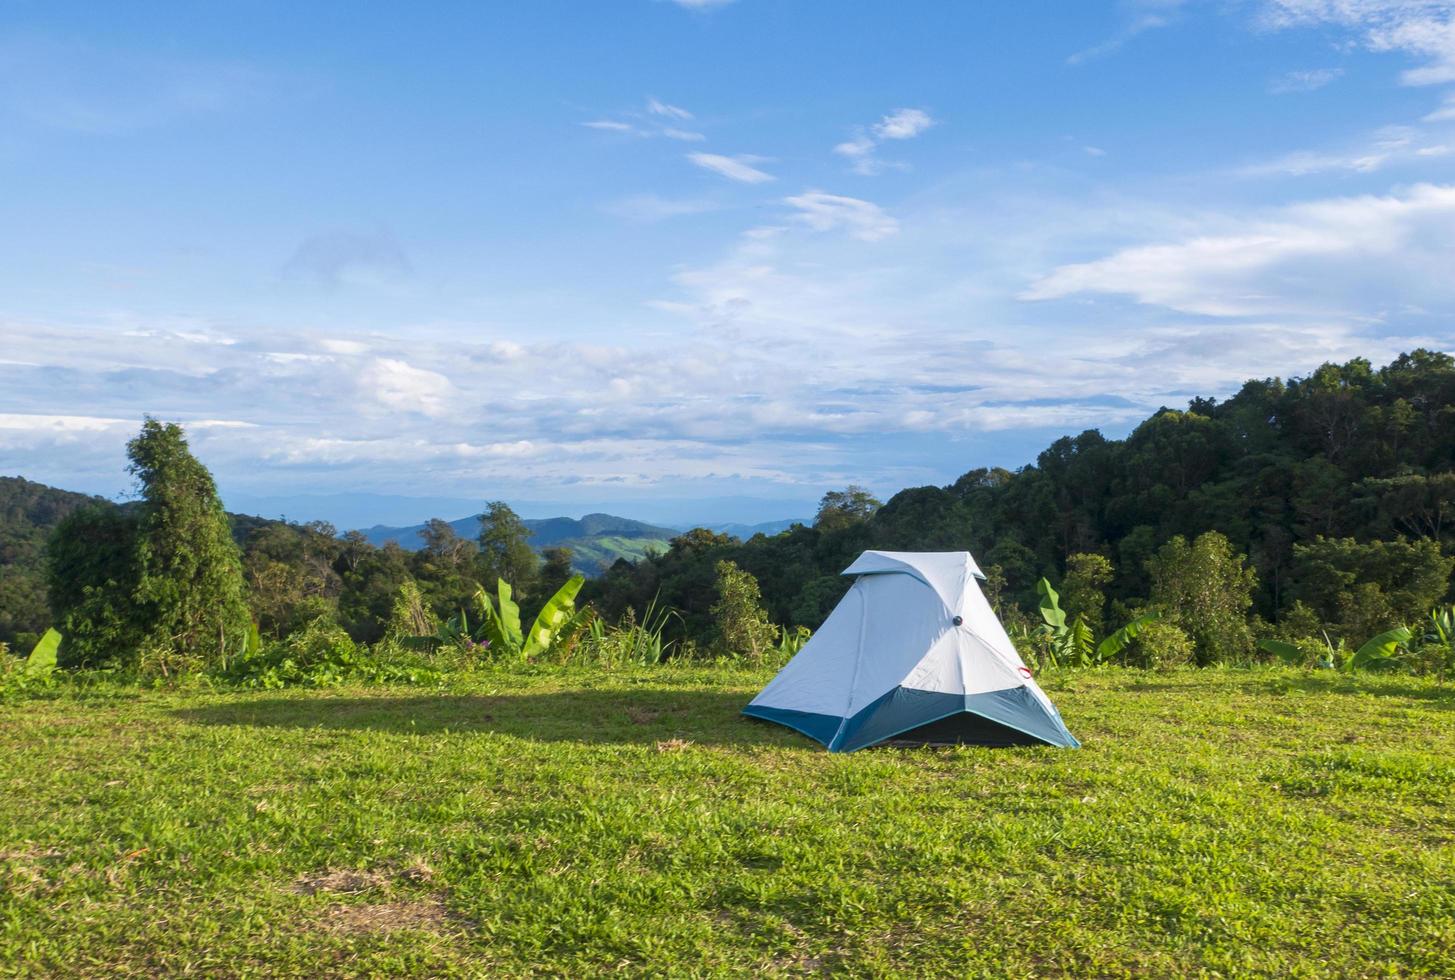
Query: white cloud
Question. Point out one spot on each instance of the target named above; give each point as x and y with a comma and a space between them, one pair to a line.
397, 384
1305, 258
685, 135
658, 108
610, 125
1386, 146
825, 212
739, 168
1420, 28
903, 124
702, 4
1309, 80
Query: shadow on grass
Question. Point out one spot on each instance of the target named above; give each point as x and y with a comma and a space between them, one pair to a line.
626, 717
1323, 682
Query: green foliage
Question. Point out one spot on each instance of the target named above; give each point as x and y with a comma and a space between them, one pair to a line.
1160, 645
1361, 588
743, 628
189, 584
505, 551
1114, 643
840, 509
410, 617
42, 659
554, 618
322, 654
559, 622
1086, 576
1207, 591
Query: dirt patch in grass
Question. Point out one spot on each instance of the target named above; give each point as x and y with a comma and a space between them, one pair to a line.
428, 915
340, 881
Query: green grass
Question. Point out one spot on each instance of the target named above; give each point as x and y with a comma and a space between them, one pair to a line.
1227, 822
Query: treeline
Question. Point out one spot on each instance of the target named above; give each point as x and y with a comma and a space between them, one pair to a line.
1318, 507
1337, 491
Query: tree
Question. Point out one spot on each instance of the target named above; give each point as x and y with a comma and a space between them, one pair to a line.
160, 588
843, 508
1366, 588
443, 547
1081, 588
190, 581
505, 547
91, 577
1207, 590
742, 625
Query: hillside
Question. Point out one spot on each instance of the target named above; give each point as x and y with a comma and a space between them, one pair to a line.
1338, 487
28, 513
595, 540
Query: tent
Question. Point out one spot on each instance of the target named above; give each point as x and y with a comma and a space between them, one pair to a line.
912, 654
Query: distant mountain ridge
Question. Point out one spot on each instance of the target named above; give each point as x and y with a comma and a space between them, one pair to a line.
595, 540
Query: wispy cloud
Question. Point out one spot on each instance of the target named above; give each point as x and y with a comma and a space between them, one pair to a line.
702, 4
1423, 29
901, 124
1309, 80
1304, 258
648, 122
1139, 17
863, 220
739, 168
654, 207
1386, 146
1446, 112
658, 108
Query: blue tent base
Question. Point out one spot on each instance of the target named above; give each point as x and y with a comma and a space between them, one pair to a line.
905, 715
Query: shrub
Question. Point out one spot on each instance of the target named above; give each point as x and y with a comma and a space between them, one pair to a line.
1161, 645
742, 625
1207, 589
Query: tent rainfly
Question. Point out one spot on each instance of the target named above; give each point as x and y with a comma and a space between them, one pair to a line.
912, 654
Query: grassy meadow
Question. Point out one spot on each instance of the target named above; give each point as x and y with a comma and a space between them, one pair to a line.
1225, 822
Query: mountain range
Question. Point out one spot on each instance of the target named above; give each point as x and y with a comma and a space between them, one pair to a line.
595, 540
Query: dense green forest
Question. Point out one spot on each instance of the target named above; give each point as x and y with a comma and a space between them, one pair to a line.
1338, 487
1333, 499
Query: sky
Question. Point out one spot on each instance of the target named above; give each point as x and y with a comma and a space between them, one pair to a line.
702, 257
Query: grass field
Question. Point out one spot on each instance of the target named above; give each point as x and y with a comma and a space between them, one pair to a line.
1226, 822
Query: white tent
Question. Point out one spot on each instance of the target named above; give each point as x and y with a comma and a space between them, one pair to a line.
913, 653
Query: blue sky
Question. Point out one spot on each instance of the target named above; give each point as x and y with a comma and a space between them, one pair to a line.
609, 253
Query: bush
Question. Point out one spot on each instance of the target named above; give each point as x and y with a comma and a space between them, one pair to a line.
742, 625
322, 654
1161, 645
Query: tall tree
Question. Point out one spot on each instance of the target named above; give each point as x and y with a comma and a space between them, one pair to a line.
505, 547
842, 508
189, 572
161, 587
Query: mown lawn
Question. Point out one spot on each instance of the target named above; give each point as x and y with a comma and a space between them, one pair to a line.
1220, 822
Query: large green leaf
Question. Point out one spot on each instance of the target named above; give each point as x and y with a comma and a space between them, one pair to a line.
42, 659
1050, 606
1286, 652
554, 616
1115, 643
1378, 652
501, 621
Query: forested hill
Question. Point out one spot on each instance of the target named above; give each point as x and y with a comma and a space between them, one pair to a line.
595, 540
1340, 487
28, 512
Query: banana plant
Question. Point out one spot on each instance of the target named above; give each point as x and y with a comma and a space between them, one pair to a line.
1074, 643
42, 659
1379, 652
500, 620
